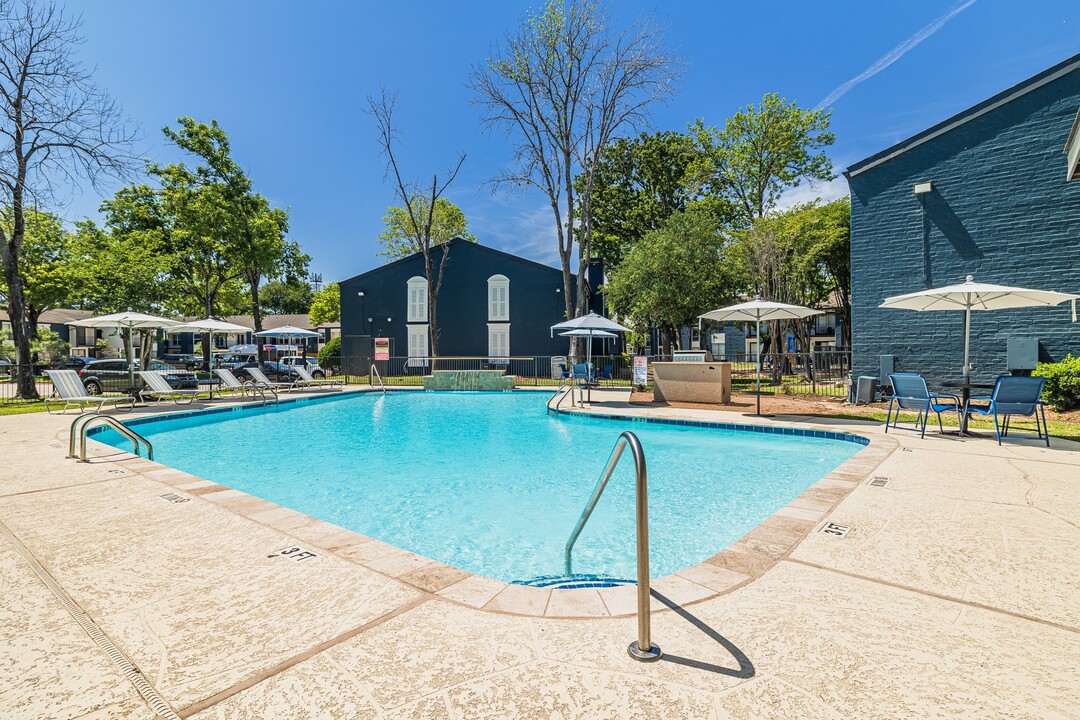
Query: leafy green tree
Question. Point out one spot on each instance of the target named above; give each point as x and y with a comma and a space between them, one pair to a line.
673, 274
125, 262
7, 345
330, 354
799, 256
49, 274
285, 297
326, 305
762, 151
48, 346
639, 183
200, 216
399, 239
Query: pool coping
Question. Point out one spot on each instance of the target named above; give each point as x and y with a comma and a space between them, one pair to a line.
743, 561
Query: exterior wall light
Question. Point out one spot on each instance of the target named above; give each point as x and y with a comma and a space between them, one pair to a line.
923, 188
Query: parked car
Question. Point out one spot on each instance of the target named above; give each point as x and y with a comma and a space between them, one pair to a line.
75, 362
101, 376
274, 371
312, 364
233, 362
186, 361
6, 367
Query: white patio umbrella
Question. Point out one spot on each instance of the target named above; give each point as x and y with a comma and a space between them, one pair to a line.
757, 311
970, 295
129, 321
288, 331
209, 326
588, 326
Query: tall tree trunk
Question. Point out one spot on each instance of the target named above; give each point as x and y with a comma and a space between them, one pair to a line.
10, 249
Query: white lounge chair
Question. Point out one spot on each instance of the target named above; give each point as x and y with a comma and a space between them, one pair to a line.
262, 381
308, 380
231, 384
72, 392
161, 390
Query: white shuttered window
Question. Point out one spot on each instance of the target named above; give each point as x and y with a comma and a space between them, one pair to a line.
498, 298
418, 300
418, 345
499, 341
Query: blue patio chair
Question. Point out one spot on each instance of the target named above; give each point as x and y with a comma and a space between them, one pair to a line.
563, 371
582, 372
606, 373
910, 393
1014, 396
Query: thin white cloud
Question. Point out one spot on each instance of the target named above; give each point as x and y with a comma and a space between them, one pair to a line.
895, 54
804, 193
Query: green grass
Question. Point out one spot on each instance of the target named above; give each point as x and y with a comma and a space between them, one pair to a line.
1064, 430
21, 407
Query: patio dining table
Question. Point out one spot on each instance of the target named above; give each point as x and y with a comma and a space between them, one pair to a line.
965, 395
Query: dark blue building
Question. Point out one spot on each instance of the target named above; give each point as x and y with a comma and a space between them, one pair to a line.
984, 193
491, 305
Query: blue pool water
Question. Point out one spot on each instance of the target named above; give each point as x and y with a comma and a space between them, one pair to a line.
492, 484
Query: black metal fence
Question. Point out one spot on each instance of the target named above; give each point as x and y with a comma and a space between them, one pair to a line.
824, 372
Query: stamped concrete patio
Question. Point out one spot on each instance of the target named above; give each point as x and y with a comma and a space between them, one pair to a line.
131, 590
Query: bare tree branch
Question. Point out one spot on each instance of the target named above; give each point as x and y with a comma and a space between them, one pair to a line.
419, 205
562, 86
57, 128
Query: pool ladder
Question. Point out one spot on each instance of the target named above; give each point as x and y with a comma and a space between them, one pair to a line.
642, 648
566, 390
374, 373
82, 424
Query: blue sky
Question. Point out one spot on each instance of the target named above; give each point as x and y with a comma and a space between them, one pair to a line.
288, 82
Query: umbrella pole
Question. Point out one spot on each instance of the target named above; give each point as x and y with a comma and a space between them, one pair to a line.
757, 327
130, 360
588, 367
967, 344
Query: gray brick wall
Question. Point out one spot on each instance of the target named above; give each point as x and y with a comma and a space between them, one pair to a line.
1000, 210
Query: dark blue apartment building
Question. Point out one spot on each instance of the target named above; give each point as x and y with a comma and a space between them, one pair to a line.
492, 305
985, 193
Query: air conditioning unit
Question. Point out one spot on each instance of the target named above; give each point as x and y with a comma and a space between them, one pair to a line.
866, 389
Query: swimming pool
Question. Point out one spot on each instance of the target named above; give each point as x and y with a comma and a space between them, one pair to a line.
493, 484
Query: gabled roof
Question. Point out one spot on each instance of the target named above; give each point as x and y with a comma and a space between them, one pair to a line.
1032, 83
59, 316
302, 320
459, 242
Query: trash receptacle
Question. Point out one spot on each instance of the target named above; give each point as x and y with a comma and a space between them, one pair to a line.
866, 389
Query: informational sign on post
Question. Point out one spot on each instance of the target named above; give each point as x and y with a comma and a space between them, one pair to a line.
641, 370
382, 348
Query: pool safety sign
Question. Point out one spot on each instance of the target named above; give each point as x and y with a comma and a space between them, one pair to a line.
641, 370
382, 348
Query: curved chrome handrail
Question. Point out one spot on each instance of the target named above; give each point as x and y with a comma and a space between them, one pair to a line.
82, 423
374, 372
563, 389
641, 494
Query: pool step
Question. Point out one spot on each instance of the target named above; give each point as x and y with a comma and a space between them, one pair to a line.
577, 580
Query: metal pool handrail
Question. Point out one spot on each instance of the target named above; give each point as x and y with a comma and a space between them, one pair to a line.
82, 424
374, 372
642, 648
562, 389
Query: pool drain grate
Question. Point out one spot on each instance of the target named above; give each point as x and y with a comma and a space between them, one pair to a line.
121, 661
879, 481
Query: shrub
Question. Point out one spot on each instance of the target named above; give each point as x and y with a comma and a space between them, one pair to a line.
330, 355
1062, 391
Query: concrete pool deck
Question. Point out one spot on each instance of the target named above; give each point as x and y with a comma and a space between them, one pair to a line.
955, 592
